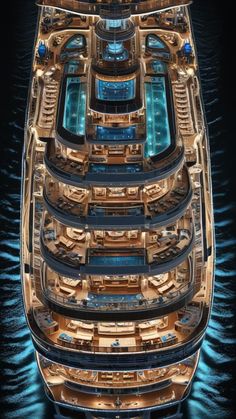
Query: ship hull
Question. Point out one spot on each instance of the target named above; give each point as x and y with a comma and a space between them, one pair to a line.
157, 340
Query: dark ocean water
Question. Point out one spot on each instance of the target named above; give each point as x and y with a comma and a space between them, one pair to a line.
213, 392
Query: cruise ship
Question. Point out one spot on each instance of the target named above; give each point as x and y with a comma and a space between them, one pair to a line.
117, 242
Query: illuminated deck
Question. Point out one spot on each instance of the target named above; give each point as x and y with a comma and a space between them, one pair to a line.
117, 226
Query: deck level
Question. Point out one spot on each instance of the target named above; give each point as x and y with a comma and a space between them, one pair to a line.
117, 223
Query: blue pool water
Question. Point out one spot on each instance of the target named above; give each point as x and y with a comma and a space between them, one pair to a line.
77, 41
110, 298
115, 52
159, 67
115, 134
65, 337
71, 67
115, 91
75, 106
158, 130
116, 260
184, 320
114, 23
115, 168
97, 211
153, 41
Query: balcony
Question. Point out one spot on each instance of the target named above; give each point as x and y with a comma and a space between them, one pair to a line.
70, 251
126, 167
171, 382
117, 382
113, 404
117, 337
109, 10
169, 20
101, 297
119, 207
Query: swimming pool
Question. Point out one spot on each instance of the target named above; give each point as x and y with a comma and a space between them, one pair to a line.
99, 211
116, 134
115, 90
115, 168
153, 41
107, 56
158, 128
76, 41
159, 67
75, 106
116, 260
112, 298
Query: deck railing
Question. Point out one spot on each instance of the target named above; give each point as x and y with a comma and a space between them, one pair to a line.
93, 7
118, 305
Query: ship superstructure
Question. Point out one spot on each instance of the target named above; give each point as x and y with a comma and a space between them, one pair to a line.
117, 226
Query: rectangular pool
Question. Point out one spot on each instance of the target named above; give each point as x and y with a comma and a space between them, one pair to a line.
115, 90
100, 211
112, 298
115, 168
75, 106
157, 119
104, 133
116, 260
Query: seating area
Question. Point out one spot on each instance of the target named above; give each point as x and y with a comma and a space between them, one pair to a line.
60, 20
118, 336
168, 244
166, 20
116, 194
64, 198
118, 402
116, 154
158, 198
172, 198
66, 164
44, 320
107, 379
119, 292
116, 248
117, 239
155, 191
104, 159
48, 108
183, 109
188, 319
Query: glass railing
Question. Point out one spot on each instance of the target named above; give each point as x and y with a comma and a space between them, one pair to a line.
98, 210
145, 347
150, 170
132, 304
117, 387
105, 261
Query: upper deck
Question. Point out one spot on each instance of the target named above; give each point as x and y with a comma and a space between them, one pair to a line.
117, 217
113, 8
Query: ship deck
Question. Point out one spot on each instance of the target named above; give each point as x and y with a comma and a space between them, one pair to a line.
117, 224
